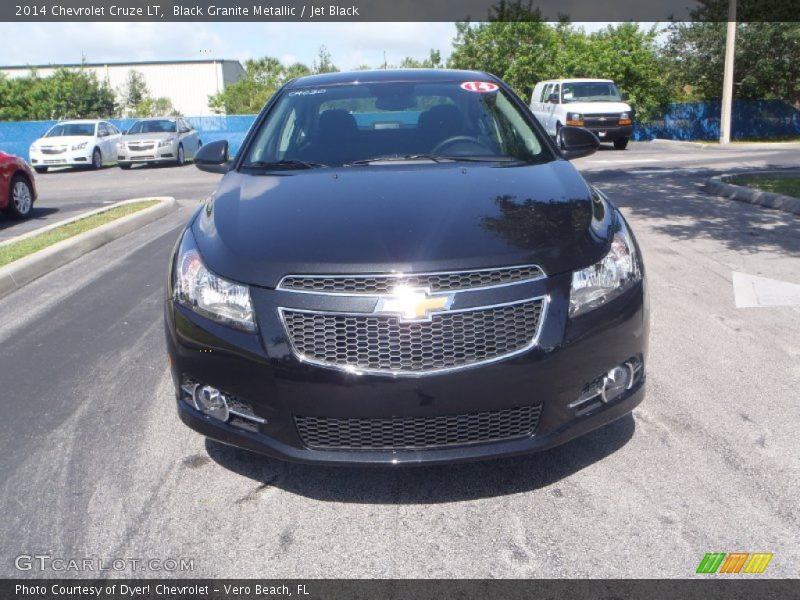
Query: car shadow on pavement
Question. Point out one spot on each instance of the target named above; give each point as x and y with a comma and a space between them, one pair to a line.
36, 213
673, 202
428, 485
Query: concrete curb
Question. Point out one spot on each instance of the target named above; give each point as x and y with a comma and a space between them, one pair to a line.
680, 143
25, 270
719, 186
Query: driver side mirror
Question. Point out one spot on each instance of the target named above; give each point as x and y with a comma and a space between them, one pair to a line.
577, 142
213, 157
553, 98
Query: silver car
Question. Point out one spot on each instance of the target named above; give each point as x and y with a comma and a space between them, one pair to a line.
158, 140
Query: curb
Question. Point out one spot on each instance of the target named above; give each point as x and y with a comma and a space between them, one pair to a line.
680, 143
719, 186
23, 271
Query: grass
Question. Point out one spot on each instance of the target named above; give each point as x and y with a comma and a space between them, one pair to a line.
788, 186
16, 250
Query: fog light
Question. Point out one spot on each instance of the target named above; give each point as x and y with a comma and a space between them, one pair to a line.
212, 402
616, 382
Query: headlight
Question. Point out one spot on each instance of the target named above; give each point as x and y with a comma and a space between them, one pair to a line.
575, 119
80, 146
616, 272
163, 143
207, 294
625, 119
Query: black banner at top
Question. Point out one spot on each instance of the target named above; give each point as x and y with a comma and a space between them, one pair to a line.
395, 10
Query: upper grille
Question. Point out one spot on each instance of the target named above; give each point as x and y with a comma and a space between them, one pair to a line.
53, 149
413, 433
384, 284
386, 344
608, 119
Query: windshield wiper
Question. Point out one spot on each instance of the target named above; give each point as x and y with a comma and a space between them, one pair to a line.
282, 164
402, 158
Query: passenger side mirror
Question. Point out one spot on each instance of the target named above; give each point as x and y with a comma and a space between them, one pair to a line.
213, 157
578, 142
553, 98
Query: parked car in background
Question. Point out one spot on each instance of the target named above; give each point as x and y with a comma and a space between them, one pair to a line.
595, 104
17, 187
75, 143
158, 140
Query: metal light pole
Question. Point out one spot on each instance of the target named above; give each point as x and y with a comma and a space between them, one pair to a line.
727, 84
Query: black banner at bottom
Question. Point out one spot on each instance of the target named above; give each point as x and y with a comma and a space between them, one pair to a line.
712, 588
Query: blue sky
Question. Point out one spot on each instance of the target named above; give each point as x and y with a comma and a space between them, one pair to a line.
350, 44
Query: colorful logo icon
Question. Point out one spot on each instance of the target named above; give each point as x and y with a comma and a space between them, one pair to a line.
735, 562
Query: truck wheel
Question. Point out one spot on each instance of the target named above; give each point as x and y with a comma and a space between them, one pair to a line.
559, 138
621, 144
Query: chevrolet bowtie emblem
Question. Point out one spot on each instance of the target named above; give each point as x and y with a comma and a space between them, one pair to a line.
413, 304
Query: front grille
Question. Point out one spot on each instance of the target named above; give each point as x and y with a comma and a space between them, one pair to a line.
386, 344
140, 147
385, 284
600, 120
414, 433
53, 150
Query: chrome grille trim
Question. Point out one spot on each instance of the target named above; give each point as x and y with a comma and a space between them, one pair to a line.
418, 433
541, 303
435, 281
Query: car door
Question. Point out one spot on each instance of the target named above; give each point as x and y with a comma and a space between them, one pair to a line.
112, 139
552, 107
188, 137
103, 135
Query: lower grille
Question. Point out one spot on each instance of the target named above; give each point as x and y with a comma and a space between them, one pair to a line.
387, 344
416, 433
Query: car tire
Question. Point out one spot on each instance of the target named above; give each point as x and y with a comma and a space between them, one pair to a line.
97, 159
621, 144
125, 166
20, 198
40, 170
181, 156
559, 138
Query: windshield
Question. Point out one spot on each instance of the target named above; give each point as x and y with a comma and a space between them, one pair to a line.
157, 126
342, 124
590, 91
76, 129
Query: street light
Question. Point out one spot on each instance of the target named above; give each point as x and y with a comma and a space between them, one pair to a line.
727, 83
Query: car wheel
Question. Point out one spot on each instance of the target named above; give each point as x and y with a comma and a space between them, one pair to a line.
125, 166
181, 156
559, 138
40, 170
621, 144
20, 201
97, 159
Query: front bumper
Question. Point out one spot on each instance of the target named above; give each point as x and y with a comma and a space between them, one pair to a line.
261, 370
610, 134
154, 154
63, 159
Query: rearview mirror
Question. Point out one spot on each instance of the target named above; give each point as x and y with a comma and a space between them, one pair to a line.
213, 157
577, 142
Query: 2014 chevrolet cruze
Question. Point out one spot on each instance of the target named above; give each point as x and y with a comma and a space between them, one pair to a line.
400, 267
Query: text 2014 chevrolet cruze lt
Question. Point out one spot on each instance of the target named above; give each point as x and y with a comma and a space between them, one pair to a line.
400, 267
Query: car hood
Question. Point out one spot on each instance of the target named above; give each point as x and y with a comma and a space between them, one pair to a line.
63, 140
590, 108
378, 218
141, 137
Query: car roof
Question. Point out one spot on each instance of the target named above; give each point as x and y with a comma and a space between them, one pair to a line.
159, 118
80, 121
393, 75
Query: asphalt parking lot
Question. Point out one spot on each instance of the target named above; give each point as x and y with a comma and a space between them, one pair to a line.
96, 463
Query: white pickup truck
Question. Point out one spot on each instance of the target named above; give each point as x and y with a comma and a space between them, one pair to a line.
595, 104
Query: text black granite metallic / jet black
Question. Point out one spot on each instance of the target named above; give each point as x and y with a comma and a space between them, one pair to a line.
400, 267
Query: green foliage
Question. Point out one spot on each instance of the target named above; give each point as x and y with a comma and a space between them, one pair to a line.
262, 77
434, 61
134, 92
66, 94
324, 63
767, 60
523, 53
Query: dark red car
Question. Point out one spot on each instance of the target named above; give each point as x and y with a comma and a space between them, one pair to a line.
17, 187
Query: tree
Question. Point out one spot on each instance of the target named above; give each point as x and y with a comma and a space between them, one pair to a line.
323, 63
434, 61
767, 61
134, 91
66, 94
262, 77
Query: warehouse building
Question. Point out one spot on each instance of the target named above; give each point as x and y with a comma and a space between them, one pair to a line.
187, 83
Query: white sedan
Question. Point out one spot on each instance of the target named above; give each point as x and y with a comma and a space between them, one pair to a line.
158, 140
75, 143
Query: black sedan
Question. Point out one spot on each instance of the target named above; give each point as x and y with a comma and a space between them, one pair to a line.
399, 267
